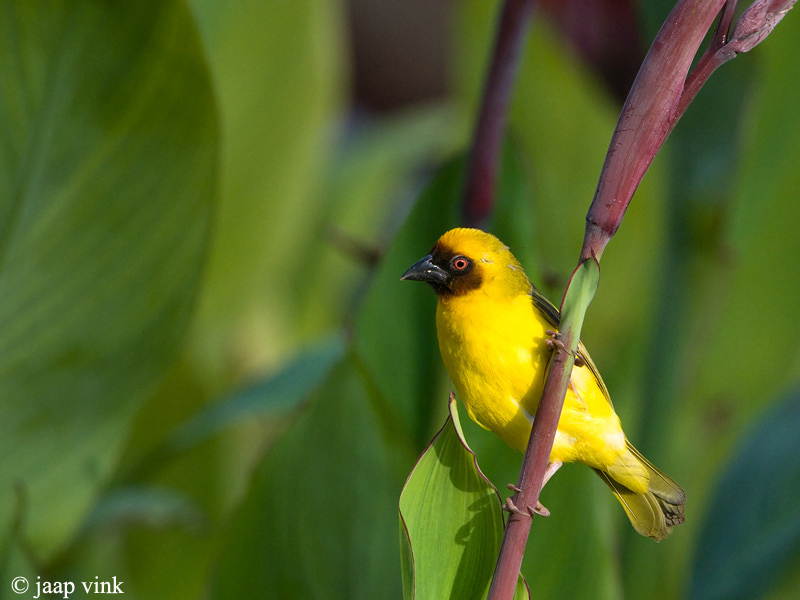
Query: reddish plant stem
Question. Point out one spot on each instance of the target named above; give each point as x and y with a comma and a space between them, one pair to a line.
661, 94
647, 117
644, 124
662, 91
753, 26
534, 465
479, 191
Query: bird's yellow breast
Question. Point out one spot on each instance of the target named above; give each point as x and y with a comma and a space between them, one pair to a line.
496, 353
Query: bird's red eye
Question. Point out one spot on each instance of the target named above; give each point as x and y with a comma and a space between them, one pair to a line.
460, 263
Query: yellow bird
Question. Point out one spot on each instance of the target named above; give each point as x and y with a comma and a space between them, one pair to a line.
492, 326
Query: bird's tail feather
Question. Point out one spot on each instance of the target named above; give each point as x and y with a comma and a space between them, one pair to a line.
656, 511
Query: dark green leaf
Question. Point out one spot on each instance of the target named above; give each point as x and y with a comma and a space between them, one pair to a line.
709, 377
761, 242
320, 520
107, 174
751, 534
395, 327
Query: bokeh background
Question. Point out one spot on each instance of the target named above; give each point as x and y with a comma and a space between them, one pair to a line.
212, 382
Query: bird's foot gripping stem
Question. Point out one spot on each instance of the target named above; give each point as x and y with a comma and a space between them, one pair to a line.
553, 342
539, 509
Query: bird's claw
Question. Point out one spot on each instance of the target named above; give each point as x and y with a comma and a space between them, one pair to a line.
512, 508
554, 342
539, 509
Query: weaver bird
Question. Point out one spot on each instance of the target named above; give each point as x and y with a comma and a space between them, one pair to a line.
495, 334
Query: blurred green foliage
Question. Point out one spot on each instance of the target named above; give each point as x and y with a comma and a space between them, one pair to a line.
108, 178
212, 383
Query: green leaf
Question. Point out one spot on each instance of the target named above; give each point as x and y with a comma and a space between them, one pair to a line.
580, 292
107, 176
319, 520
275, 397
149, 506
225, 439
750, 537
373, 173
761, 242
708, 377
395, 328
451, 521
522, 592
278, 71
703, 155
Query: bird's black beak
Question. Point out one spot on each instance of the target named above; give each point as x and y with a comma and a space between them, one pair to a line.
426, 270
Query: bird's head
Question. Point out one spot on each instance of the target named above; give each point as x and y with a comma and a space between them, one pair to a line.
465, 261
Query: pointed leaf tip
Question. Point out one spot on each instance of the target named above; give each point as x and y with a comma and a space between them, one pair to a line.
451, 520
